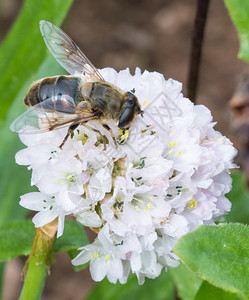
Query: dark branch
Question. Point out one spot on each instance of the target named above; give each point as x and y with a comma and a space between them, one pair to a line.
196, 47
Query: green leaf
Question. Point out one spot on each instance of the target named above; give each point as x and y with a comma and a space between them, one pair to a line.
2, 270
186, 281
16, 238
208, 292
239, 12
73, 237
24, 50
161, 288
240, 198
218, 254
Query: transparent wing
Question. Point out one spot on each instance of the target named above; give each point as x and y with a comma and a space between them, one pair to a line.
66, 52
51, 114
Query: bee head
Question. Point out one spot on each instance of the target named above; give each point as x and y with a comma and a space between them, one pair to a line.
130, 110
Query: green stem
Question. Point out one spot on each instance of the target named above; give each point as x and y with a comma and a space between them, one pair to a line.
38, 263
34, 281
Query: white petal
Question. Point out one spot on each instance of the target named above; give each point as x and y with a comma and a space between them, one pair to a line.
99, 184
89, 218
48, 185
22, 157
98, 269
82, 258
44, 217
61, 221
116, 270
64, 200
136, 262
34, 201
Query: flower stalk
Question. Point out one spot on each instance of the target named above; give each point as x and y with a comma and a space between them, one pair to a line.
37, 265
196, 48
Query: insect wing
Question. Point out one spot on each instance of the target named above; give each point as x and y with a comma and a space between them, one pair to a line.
52, 113
66, 52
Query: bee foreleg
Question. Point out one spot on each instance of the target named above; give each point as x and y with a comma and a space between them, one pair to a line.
69, 132
112, 134
123, 136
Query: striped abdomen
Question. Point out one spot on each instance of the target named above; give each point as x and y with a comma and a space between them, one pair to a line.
52, 87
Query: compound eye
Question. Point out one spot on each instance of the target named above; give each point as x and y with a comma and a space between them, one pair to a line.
126, 117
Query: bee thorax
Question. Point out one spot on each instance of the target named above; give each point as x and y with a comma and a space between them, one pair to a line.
104, 97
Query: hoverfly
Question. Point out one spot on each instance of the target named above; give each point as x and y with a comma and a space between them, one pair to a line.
71, 100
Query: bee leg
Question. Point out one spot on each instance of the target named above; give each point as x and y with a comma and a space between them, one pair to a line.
69, 132
96, 130
112, 134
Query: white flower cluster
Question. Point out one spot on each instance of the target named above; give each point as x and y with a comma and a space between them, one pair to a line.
170, 175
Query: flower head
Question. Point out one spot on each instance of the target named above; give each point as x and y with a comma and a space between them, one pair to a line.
169, 174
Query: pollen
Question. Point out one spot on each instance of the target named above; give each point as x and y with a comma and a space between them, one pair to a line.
192, 203
152, 198
178, 153
71, 178
145, 101
137, 208
141, 201
84, 139
124, 134
146, 209
170, 151
171, 144
96, 254
107, 257
149, 205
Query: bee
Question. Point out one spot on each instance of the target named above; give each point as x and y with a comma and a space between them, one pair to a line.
71, 100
